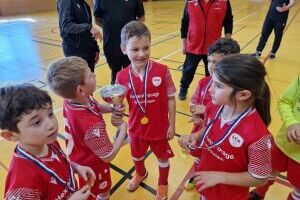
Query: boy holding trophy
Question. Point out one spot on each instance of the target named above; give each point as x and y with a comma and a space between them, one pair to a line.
85, 130
151, 98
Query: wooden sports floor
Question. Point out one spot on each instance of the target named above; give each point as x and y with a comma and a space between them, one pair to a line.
29, 43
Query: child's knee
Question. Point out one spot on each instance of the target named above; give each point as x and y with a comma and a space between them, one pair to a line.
163, 163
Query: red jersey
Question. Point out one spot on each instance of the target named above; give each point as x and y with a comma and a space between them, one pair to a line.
201, 96
202, 23
159, 86
26, 180
246, 148
85, 132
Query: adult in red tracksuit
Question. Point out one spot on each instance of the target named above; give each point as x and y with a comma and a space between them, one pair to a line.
201, 25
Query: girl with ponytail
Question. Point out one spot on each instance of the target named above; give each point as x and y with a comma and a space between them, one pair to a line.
235, 146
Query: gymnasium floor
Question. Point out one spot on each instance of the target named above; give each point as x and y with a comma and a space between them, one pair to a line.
29, 43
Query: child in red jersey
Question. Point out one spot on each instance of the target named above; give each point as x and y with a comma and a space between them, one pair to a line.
201, 97
39, 169
235, 147
151, 98
286, 148
85, 130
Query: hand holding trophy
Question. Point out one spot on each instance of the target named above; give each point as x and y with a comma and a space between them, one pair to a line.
114, 95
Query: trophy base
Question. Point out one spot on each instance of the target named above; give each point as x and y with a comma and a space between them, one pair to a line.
125, 141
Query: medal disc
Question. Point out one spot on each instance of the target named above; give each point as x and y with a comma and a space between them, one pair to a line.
144, 120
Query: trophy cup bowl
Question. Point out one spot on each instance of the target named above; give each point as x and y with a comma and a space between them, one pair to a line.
114, 94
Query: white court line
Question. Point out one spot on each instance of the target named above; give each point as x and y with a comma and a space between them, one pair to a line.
163, 36
242, 19
171, 54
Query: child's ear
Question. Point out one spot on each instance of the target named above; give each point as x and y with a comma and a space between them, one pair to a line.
243, 95
80, 91
123, 49
9, 135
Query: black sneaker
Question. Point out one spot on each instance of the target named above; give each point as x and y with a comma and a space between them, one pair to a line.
272, 55
254, 196
182, 94
256, 54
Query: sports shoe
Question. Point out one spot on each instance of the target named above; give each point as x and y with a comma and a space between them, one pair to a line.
272, 55
162, 192
182, 94
135, 182
256, 54
254, 196
189, 184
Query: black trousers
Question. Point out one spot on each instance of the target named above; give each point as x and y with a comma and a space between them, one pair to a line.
87, 55
116, 61
269, 24
189, 68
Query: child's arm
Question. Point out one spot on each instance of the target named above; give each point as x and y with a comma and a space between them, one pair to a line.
286, 104
118, 142
285, 7
206, 179
172, 116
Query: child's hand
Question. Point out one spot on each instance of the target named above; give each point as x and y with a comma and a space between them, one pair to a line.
96, 34
197, 109
116, 120
206, 179
185, 140
197, 120
86, 173
171, 132
81, 194
293, 133
282, 9
119, 109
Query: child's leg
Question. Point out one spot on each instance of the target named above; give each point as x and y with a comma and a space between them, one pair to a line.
163, 152
139, 164
139, 149
164, 168
293, 177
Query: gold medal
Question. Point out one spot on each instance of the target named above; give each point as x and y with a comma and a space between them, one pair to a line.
144, 120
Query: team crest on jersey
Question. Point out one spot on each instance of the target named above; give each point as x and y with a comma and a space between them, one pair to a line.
103, 185
236, 140
156, 81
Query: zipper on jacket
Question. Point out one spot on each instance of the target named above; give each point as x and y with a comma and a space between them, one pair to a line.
205, 19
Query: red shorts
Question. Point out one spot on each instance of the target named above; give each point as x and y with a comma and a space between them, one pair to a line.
103, 180
160, 148
282, 163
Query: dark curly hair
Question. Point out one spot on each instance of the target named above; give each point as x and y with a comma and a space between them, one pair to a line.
17, 100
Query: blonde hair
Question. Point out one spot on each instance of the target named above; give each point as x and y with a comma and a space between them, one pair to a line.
65, 75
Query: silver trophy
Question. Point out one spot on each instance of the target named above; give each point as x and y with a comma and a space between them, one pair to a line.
114, 95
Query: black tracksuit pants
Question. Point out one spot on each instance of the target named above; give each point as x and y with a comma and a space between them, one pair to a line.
189, 68
269, 24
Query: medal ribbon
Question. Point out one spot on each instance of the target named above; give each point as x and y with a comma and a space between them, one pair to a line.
205, 90
70, 184
228, 131
145, 78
